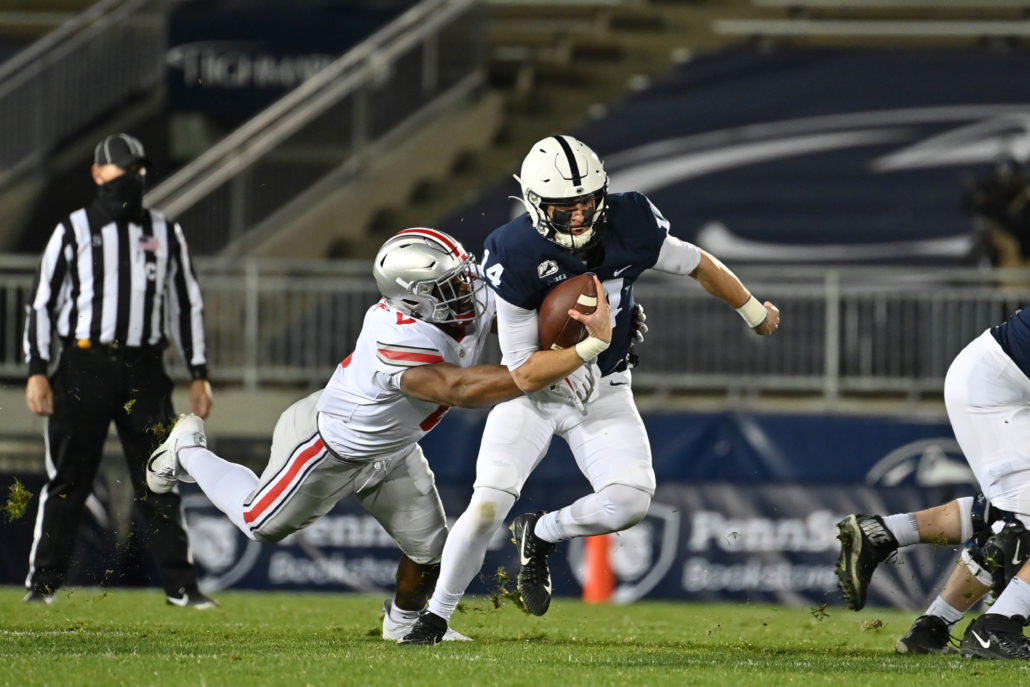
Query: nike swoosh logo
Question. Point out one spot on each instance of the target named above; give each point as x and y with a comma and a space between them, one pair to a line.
618, 383
986, 645
548, 586
523, 558
621, 270
1015, 556
182, 601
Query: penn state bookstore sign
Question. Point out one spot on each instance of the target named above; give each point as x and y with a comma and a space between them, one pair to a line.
745, 511
711, 542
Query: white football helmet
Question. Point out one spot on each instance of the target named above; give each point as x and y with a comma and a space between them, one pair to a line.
559, 171
428, 275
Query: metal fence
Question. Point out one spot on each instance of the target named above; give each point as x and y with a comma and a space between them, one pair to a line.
74, 74
845, 331
356, 107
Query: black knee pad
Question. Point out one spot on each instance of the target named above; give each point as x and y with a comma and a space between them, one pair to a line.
1000, 543
1005, 552
983, 515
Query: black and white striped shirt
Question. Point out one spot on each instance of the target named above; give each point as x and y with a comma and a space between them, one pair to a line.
120, 282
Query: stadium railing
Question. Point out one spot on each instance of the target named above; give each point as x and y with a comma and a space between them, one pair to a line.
74, 74
845, 331
253, 180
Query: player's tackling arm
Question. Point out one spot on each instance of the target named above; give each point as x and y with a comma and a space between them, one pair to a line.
717, 279
544, 368
463, 387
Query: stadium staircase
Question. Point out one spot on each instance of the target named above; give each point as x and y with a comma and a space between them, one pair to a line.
553, 65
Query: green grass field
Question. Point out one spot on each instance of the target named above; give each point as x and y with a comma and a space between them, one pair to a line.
131, 637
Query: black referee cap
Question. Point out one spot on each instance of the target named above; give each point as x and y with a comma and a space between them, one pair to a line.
121, 150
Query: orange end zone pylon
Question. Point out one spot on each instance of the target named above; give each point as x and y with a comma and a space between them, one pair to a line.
599, 582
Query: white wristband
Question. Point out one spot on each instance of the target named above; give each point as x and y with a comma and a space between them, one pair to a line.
753, 312
590, 347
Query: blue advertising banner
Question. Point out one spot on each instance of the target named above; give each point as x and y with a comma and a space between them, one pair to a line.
707, 542
807, 156
746, 448
745, 510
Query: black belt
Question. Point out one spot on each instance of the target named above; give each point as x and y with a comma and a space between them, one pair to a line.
116, 350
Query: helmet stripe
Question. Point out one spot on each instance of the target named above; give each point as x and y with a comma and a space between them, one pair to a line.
577, 177
446, 240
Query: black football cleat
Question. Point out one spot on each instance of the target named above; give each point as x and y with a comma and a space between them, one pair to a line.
929, 634
428, 630
534, 580
192, 598
864, 543
39, 596
996, 636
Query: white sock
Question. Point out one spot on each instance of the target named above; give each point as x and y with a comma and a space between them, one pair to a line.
943, 609
904, 528
1015, 600
399, 615
226, 484
465, 549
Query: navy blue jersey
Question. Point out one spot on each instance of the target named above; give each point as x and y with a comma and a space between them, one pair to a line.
1014, 337
521, 266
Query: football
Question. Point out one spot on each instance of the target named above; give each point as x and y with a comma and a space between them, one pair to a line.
554, 326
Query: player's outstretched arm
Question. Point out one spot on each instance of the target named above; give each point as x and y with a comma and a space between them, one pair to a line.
544, 368
718, 280
464, 387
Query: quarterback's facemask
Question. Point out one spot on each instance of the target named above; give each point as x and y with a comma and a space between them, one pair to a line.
562, 174
428, 275
563, 216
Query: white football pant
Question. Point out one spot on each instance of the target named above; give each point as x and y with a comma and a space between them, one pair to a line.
304, 480
988, 402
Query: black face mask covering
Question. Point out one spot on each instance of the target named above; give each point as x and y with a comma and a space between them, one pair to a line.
123, 197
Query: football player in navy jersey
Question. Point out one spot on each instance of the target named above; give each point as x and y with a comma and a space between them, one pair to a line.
572, 225
987, 395
995, 544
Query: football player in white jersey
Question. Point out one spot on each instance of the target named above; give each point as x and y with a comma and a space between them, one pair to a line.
414, 359
571, 226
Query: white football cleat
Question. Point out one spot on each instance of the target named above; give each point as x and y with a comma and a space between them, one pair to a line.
394, 630
163, 469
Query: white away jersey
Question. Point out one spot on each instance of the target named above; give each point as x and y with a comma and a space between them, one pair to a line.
362, 412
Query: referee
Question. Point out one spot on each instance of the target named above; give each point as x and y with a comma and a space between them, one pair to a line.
114, 281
